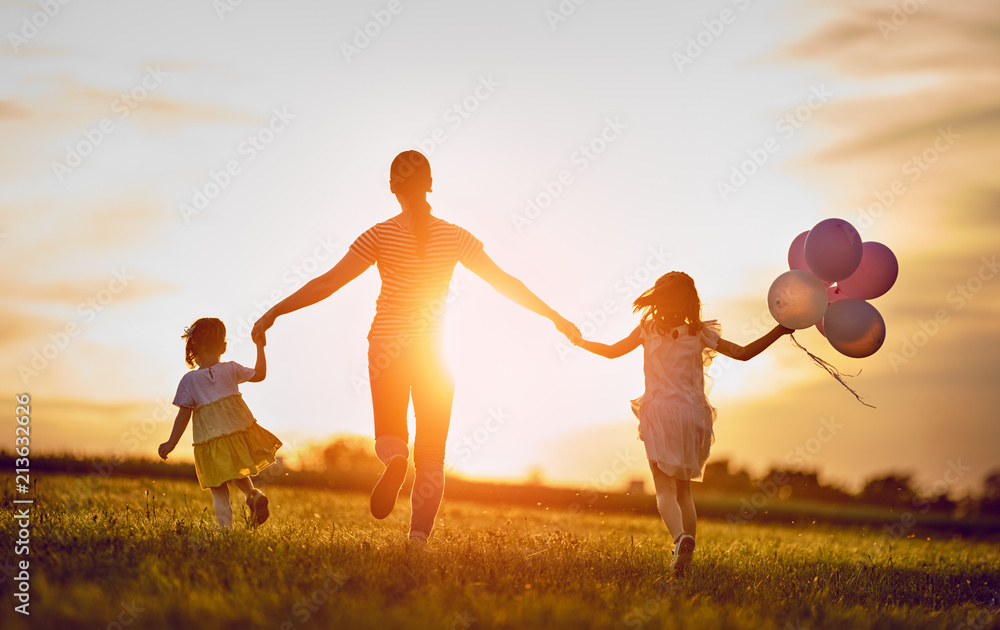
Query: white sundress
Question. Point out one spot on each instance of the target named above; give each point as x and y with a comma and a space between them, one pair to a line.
675, 417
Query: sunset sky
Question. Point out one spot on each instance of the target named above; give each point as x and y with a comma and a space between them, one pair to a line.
168, 161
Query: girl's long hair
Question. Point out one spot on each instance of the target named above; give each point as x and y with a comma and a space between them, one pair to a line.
412, 172
207, 333
672, 301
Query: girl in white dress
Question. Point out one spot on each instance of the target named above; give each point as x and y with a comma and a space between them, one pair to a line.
229, 445
675, 417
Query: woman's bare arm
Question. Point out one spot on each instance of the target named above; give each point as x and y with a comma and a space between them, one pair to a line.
515, 290
316, 290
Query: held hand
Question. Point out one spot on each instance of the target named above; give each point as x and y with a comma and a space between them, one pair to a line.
165, 449
784, 330
260, 327
569, 329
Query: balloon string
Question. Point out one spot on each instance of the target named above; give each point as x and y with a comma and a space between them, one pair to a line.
833, 371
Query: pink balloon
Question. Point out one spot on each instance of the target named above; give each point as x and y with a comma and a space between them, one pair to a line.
854, 327
875, 275
833, 250
797, 252
797, 255
833, 294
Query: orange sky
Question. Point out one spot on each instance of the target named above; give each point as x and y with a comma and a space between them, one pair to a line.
641, 111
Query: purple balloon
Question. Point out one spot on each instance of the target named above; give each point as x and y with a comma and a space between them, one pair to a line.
833, 294
874, 276
833, 250
854, 327
797, 253
797, 299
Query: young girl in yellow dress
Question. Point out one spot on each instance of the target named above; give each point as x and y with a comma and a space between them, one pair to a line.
229, 445
675, 417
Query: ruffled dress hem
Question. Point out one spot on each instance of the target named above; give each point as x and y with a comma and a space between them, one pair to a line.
235, 454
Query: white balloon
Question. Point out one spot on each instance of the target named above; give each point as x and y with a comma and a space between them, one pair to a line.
797, 299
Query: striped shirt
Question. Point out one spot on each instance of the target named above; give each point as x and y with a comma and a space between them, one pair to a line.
414, 290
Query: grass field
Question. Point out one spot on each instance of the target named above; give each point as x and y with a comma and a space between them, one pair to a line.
118, 557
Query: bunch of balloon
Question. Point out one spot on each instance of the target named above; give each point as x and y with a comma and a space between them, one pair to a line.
832, 276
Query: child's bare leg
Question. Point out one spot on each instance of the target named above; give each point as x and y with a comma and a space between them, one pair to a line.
666, 501
689, 517
244, 484
223, 511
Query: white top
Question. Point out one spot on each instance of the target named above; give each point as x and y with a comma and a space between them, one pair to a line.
674, 363
204, 385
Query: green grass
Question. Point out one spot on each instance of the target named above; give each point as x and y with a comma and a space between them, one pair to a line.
323, 562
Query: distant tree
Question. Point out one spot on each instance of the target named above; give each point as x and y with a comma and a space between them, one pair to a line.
990, 502
894, 489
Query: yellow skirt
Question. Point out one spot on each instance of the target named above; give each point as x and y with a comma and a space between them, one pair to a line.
245, 450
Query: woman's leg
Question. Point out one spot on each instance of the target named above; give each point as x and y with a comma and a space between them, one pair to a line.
433, 393
390, 385
223, 511
666, 501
